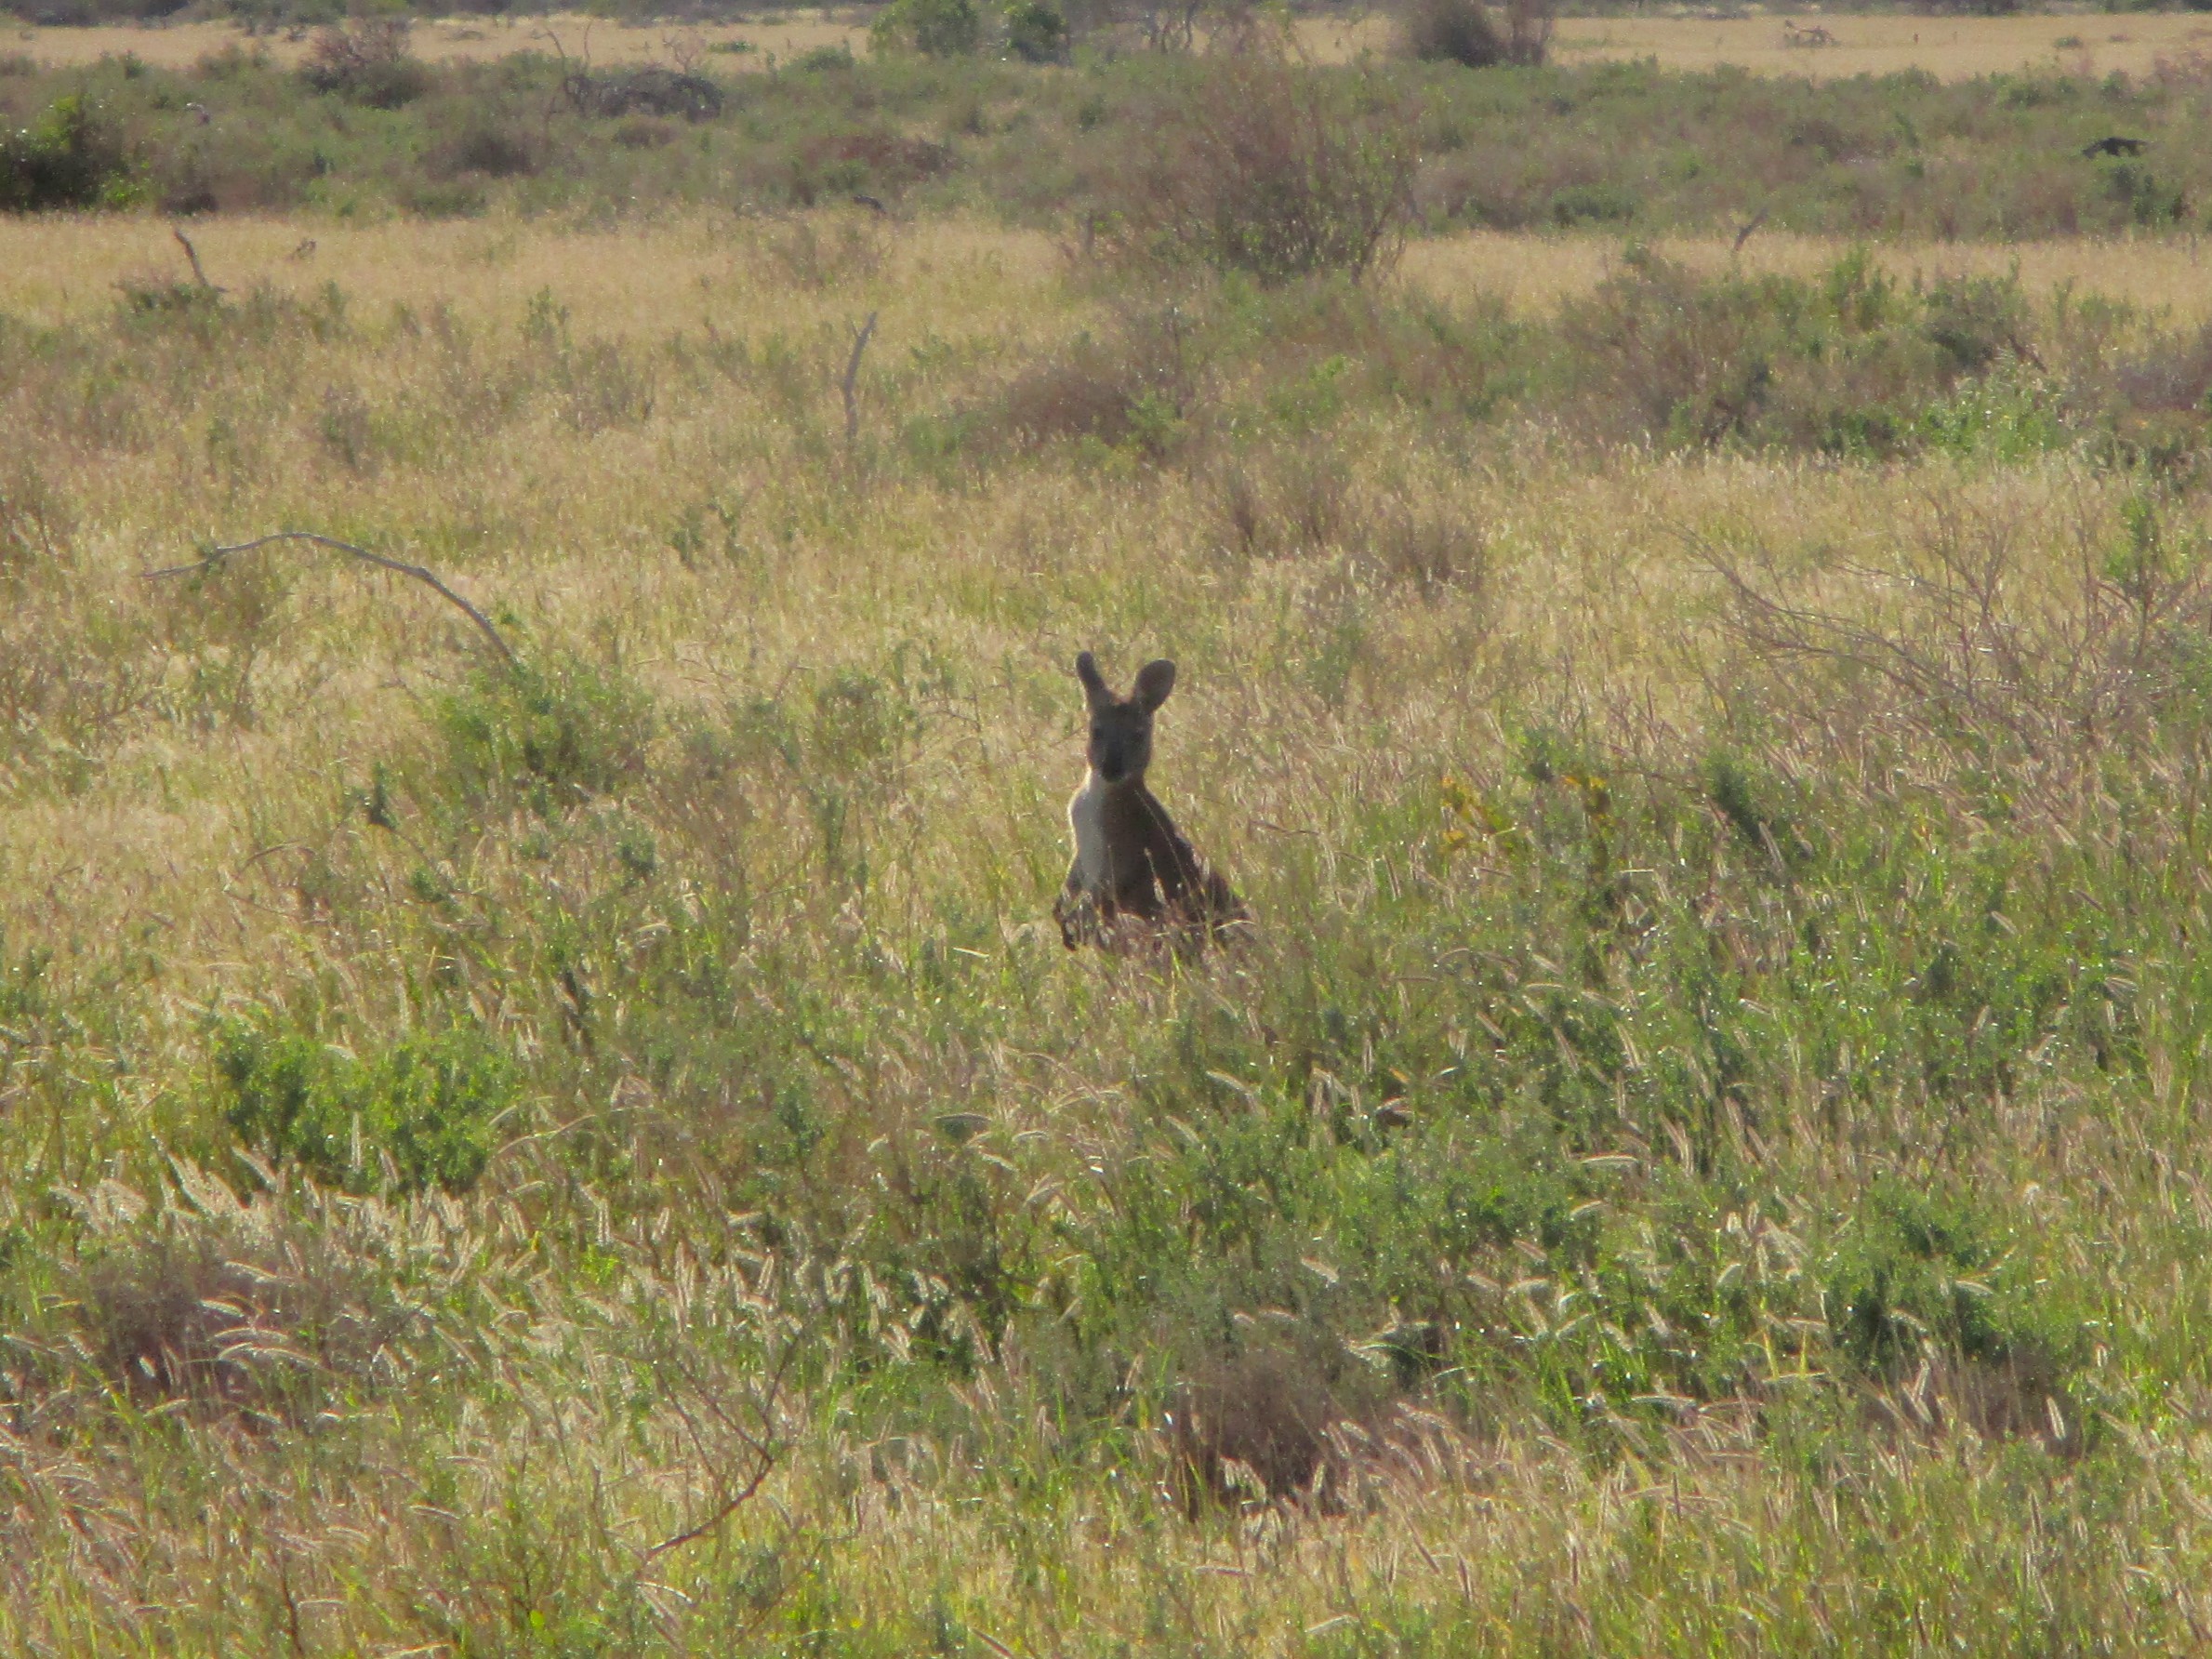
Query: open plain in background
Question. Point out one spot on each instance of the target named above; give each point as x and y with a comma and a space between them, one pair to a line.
1951, 49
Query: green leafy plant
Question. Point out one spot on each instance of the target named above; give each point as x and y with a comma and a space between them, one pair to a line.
558, 733
72, 157
424, 1112
1035, 33
933, 27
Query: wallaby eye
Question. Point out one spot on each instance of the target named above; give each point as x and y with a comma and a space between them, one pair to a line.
1098, 731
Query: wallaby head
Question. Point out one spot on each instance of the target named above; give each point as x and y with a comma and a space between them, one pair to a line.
1121, 744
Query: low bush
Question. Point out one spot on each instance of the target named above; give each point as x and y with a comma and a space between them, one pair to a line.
1452, 31
1264, 164
1135, 387
1462, 32
427, 1111
555, 736
933, 27
490, 147
1035, 33
273, 1304
368, 61
72, 157
1851, 363
647, 90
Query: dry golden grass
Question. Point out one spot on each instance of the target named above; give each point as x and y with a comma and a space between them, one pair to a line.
670, 490
638, 277
782, 35
1534, 273
1588, 576
642, 277
1950, 48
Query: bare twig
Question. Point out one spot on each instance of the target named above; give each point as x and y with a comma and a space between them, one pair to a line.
762, 1447
737, 1501
199, 273
428, 579
860, 339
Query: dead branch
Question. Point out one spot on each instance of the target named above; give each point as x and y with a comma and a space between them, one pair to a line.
730, 1506
1773, 625
428, 579
192, 253
763, 1446
860, 339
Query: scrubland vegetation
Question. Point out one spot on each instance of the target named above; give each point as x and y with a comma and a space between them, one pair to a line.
369, 126
609, 1154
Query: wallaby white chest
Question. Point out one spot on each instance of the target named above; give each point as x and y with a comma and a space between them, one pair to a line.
1086, 821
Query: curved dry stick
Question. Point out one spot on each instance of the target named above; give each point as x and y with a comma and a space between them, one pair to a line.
428, 579
860, 338
192, 253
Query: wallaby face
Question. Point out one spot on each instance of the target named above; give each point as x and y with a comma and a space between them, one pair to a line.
1121, 746
1130, 861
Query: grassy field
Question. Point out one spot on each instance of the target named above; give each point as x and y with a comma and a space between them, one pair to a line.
1951, 49
601, 1149
1631, 149
782, 35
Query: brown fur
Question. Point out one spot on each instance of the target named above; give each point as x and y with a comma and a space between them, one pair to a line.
1146, 876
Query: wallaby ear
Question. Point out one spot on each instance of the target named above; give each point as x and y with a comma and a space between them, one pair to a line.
1155, 680
1095, 686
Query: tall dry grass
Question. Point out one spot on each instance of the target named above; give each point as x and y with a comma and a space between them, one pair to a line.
1576, 784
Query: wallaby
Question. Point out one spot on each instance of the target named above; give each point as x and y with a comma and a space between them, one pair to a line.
1130, 861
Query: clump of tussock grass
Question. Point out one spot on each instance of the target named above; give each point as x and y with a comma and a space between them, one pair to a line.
272, 1306
1136, 388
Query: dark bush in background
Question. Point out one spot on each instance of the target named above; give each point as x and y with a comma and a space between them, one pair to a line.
1462, 32
933, 27
1452, 31
73, 157
649, 90
1264, 165
1035, 32
366, 60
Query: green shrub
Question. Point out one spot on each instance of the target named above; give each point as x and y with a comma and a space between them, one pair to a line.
1452, 31
824, 60
73, 158
2007, 415
558, 735
1035, 33
424, 1112
2148, 200
933, 27
1849, 363
368, 61
1921, 1279
1266, 166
